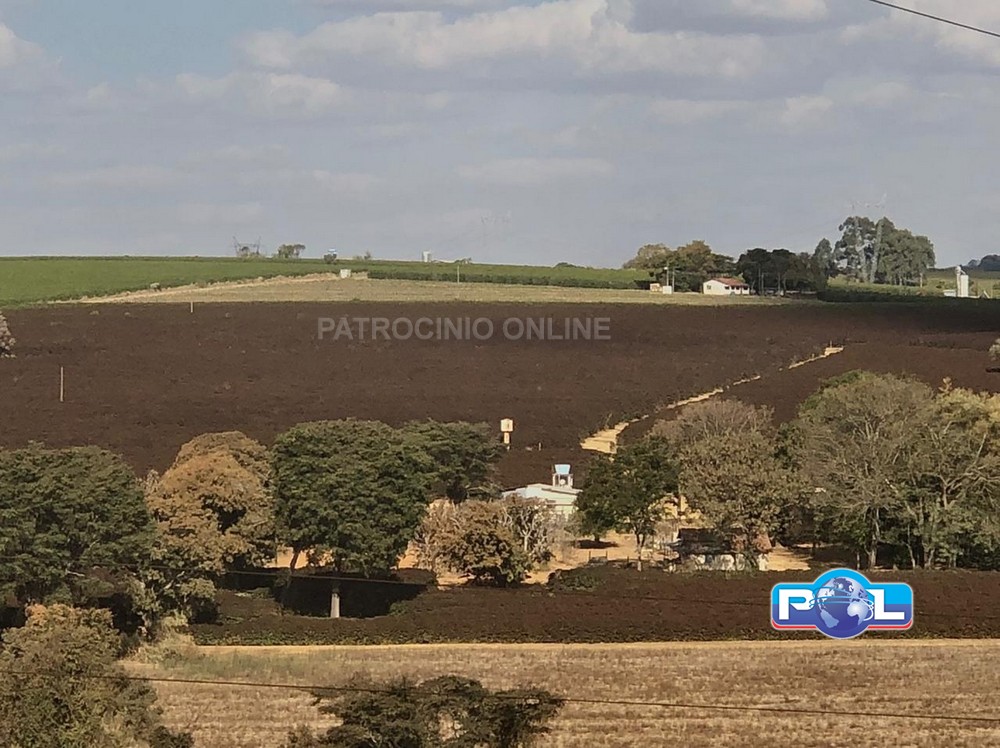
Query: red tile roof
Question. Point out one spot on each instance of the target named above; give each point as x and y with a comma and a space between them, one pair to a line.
730, 281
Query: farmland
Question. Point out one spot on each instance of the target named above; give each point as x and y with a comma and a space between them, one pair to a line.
600, 604
36, 279
926, 678
143, 379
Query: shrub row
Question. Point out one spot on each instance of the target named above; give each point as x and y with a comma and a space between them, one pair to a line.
566, 281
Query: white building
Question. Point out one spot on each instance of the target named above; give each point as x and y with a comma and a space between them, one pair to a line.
725, 287
560, 495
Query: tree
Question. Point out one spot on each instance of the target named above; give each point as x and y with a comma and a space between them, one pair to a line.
290, 251
64, 515
483, 547
739, 485
903, 258
61, 687
856, 248
713, 418
443, 712
534, 525
856, 436
6, 339
880, 252
464, 455
630, 490
352, 489
954, 499
691, 265
825, 258
214, 513
492, 542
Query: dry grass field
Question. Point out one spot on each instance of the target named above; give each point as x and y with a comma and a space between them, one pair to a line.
907, 677
324, 287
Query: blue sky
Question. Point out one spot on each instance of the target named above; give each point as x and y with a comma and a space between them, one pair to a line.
504, 130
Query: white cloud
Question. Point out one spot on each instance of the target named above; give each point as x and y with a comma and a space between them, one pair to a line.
24, 65
117, 177
803, 111
272, 94
792, 10
687, 111
952, 40
527, 171
344, 182
15, 50
587, 35
19, 152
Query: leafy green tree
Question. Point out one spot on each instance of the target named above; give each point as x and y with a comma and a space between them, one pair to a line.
61, 687
880, 252
903, 257
740, 486
691, 265
630, 489
354, 489
856, 248
290, 251
214, 513
445, 712
492, 542
464, 455
64, 515
483, 547
596, 514
825, 258
855, 441
955, 495
7, 341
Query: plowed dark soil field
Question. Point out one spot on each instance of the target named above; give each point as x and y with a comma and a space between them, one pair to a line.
608, 604
142, 379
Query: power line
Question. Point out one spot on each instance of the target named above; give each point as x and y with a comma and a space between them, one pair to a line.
715, 706
939, 19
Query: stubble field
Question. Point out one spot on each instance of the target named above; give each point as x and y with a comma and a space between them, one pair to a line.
745, 681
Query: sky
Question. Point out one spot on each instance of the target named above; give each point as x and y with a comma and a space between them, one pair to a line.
521, 131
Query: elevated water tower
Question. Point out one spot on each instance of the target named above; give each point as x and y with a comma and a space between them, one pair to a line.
562, 476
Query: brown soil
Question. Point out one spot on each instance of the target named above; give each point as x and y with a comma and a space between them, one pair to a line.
143, 379
608, 604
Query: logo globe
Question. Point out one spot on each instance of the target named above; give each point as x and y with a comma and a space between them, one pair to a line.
843, 608
842, 604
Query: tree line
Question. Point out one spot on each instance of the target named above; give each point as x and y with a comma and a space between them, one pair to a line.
896, 472
94, 561
867, 251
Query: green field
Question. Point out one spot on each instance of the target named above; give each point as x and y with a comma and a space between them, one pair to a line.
27, 280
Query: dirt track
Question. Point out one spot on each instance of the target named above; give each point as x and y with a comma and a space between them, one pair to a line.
142, 379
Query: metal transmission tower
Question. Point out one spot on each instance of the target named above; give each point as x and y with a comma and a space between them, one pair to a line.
245, 249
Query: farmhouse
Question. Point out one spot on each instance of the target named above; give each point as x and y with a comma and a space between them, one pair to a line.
725, 287
560, 494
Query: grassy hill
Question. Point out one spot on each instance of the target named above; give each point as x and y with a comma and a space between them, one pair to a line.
26, 280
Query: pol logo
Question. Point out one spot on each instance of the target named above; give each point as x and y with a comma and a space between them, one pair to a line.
842, 604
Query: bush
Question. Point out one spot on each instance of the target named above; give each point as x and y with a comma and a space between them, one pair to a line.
6, 339
61, 687
444, 711
483, 548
